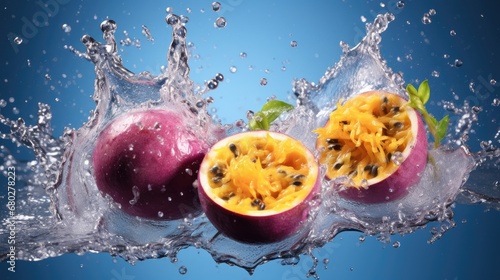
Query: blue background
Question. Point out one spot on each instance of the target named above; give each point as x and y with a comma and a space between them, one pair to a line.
264, 29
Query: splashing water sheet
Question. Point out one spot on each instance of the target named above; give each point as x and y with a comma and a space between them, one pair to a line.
211, 62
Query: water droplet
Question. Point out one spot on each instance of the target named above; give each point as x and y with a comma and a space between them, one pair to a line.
15, 111
212, 84
263, 81
293, 44
169, 10
362, 238
496, 102
183, 270
146, 32
216, 6
108, 25
66, 28
432, 12
396, 244
219, 77
160, 214
283, 68
446, 56
47, 77
397, 158
3, 103
136, 193
426, 19
453, 33
172, 19
464, 221
18, 40
189, 171
220, 22
233, 69
363, 19
458, 62
493, 82
400, 4
435, 74
184, 19
243, 54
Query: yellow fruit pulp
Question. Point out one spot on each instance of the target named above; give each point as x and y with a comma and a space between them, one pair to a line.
261, 173
362, 136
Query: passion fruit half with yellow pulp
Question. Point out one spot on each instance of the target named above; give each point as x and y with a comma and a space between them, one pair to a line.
257, 187
377, 143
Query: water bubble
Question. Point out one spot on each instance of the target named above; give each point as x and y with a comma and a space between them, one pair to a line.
219, 77
493, 82
212, 84
458, 62
293, 43
66, 28
496, 102
396, 244
220, 22
183, 270
233, 69
263, 81
216, 6
400, 4
169, 10
146, 32
453, 32
243, 54
3, 103
435, 74
18, 40
283, 68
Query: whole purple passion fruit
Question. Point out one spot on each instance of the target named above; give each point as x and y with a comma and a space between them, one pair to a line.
147, 162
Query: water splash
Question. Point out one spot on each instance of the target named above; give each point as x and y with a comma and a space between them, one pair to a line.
61, 210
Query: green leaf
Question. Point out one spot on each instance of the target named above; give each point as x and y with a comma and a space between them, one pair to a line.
259, 122
441, 129
269, 112
274, 108
411, 90
424, 91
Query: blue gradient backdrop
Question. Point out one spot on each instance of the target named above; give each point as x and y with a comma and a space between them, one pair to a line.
263, 29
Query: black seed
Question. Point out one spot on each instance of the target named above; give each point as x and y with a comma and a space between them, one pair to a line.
228, 196
343, 122
395, 109
233, 149
282, 171
254, 160
298, 176
297, 183
262, 206
255, 202
398, 125
214, 169
385, 100
335, 147
332, 141
389, 157
220, 174
338, 165
384, 109
367, 168
374, 171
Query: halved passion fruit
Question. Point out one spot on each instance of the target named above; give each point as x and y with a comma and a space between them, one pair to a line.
255, 187
377, 143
